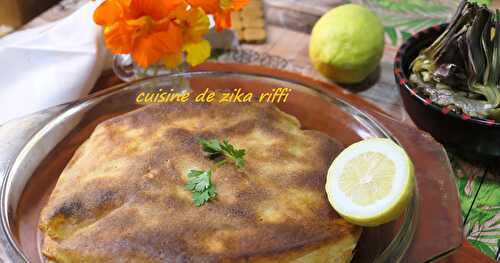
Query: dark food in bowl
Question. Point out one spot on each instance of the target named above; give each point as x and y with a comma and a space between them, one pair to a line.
472, 137
461, 68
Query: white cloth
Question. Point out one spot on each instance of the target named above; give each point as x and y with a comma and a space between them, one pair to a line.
49, 65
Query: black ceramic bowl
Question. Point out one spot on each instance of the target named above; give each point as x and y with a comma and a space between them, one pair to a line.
473, 137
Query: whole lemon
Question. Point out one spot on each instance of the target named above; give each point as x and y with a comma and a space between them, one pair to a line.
347, 43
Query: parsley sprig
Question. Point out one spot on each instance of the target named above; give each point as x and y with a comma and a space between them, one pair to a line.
199, 181
214, 148
200, 185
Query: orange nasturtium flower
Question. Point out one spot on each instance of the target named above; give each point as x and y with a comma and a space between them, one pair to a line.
140, 27
156, 31
220, 9
194, 23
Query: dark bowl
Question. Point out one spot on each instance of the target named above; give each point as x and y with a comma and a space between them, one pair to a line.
472, 137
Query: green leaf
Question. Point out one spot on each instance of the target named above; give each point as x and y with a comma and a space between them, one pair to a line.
236, 155
200, 198
198, 180
200, 184
214, 148
393, 35
211, 147
483, 247
479, 216
406, 35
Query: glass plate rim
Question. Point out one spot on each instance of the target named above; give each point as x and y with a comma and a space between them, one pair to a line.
394, 252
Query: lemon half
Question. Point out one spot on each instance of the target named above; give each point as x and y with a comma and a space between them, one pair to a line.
371, 182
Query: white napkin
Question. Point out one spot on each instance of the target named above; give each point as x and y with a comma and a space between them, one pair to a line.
50, 65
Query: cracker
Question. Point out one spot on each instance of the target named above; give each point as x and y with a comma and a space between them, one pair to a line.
249, 23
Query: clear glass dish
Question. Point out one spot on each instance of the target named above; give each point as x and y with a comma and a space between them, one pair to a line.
31, 173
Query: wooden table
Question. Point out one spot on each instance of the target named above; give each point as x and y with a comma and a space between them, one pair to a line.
292, 20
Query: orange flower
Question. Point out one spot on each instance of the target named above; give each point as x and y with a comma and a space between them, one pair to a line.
220, 9
140, 27
162, 30
195, 24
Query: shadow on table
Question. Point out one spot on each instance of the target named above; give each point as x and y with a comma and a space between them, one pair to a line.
369, 82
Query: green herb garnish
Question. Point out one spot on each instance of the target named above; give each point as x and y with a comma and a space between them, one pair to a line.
214, 148
200, 182
201, 185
